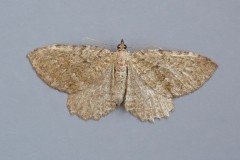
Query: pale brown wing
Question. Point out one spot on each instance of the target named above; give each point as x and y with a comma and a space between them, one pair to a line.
84, 72
97, 100
155, 77
143, 101
70, 68
172, 73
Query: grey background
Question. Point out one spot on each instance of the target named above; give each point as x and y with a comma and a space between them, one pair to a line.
34, 120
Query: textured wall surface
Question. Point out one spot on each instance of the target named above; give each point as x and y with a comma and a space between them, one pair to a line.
34, 119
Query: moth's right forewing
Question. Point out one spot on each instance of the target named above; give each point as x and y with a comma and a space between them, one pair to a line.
70, 68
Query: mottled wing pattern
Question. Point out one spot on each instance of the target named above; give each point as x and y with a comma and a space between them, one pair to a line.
97, 100
164, 75
142, 101
172, 73
84, 72
70, 68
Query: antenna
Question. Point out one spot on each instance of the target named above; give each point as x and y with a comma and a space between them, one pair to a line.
94, 40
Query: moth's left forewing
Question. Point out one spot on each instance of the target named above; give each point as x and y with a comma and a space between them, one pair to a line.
192, 71
176, 72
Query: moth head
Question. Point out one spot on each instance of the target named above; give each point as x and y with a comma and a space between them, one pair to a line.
121, 46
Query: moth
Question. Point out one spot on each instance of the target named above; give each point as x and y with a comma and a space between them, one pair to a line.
98, 80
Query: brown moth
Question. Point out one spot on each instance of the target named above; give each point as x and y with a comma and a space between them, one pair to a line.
98, 80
